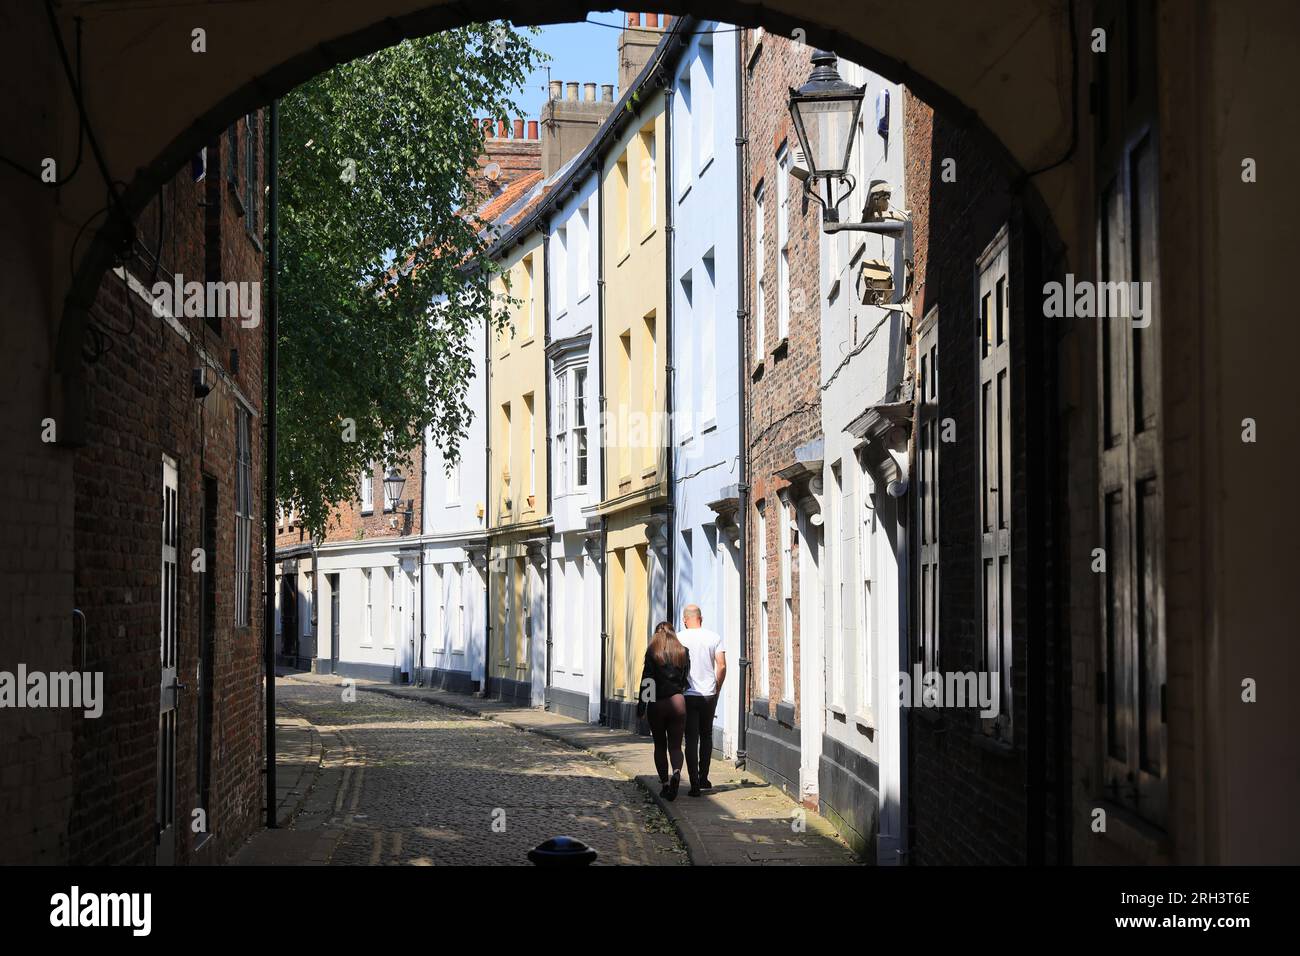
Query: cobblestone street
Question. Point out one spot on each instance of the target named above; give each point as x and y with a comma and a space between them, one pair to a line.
413, 783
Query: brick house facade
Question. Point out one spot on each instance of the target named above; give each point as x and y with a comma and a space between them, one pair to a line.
980, 791
143, 413
783, 402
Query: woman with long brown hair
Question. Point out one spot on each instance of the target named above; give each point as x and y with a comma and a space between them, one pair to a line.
662, 700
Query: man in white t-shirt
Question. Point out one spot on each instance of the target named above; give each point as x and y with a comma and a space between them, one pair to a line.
708, 670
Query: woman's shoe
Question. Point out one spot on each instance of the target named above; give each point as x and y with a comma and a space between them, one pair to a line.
673, 784
663, 791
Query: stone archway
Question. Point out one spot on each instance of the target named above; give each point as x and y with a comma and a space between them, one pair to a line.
153, 101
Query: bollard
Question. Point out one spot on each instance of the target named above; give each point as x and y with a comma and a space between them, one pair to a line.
562, 851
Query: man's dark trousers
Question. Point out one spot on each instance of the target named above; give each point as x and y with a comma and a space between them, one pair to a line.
699, 736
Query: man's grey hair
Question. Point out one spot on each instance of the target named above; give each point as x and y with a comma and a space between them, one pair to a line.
692, 612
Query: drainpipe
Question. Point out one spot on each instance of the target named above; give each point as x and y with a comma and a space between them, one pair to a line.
600, 371
669, 456
269, 412
487, 500
546, 397
424, 491
742, 365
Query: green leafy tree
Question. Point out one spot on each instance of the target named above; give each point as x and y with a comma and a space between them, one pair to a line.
384, 275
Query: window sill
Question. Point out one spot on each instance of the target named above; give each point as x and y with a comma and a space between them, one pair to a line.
649, 235
368, 647
681, 196
367, 511
759, 707
704, 166
757, 371
583, 298
1144, 841
649, 473
833, 292
711, 425
782, 348
561, 314
527, 342
623, 257
866, 721
785, 713
839, 713
992, 745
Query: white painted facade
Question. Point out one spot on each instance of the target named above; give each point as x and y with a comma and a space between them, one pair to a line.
705, 392
573, 366
453, 542
863, 364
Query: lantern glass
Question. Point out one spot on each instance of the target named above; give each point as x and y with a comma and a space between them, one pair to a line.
393, 485
825, 115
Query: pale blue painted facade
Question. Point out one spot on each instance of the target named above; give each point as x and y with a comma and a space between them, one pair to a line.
705, 392
573, 370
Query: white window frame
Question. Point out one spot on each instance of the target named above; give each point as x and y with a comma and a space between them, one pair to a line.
787, 530
708, 325
390, 638
243, 517
764, 619
580, 431
368, 625
562, 431
783, 242
760, 265
367, 489
867, 531
704, 109
582, 251
560, 270
685, 119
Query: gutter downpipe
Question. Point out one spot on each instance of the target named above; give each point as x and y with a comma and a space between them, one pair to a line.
600, 371
272, 377
546, 392
742, 364
424, 504
487, 501
670, 237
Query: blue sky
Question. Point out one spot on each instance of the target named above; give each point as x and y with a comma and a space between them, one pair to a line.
580, 53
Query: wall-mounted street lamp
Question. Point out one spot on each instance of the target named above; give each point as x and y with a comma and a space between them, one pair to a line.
825, 115
393, 485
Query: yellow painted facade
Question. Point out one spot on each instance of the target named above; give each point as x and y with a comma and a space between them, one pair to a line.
517, 474
633, 209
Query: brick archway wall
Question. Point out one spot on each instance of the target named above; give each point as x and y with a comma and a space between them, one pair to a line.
153, 101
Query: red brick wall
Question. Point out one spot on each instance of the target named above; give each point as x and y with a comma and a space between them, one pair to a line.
969, 800
140, 407
783, 406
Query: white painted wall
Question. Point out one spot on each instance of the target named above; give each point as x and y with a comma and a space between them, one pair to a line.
706, 407
863, 358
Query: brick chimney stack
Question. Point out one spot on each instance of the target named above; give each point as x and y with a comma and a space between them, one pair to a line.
570, 119
635, 44
511, 150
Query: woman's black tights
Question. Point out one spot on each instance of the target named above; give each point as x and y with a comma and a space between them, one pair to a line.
667, 724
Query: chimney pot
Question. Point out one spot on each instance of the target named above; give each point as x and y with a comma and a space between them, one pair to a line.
489, 128
532, 129
519, 128
503, 129
607, 92
652, 20
589, 92
557, 89
571, 91
633, 19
